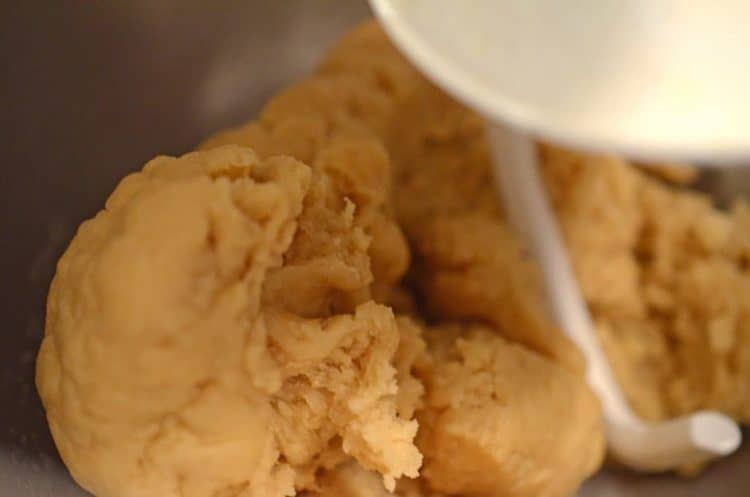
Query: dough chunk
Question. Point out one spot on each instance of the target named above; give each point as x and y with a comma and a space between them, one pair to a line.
501, 420
171, 366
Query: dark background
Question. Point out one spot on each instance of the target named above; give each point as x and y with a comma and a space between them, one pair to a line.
89, 91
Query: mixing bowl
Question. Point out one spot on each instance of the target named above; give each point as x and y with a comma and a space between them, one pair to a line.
91, 90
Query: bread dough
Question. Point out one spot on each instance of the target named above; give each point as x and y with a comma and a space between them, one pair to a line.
225, 327
669, 293
666, 277
501, 420
171, 364
497, 420
469, 264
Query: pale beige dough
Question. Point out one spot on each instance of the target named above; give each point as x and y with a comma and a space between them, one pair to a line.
170, 367
468, 264
666, 276
497, 420
224, 327
502, 420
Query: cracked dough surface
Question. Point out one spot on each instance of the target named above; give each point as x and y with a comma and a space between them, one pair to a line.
318, 300
666, 276
481, 429
170, 366
497, 419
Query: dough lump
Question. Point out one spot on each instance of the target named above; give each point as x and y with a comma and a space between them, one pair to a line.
666, 277
500, 419
170, 368
224, 327
467, 266
497, 420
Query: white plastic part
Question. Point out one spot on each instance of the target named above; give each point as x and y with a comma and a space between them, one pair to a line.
666, 79
688, 440
555, 70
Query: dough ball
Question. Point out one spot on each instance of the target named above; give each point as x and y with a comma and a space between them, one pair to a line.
168, 367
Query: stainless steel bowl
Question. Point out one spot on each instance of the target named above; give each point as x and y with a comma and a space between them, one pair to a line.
89, 91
